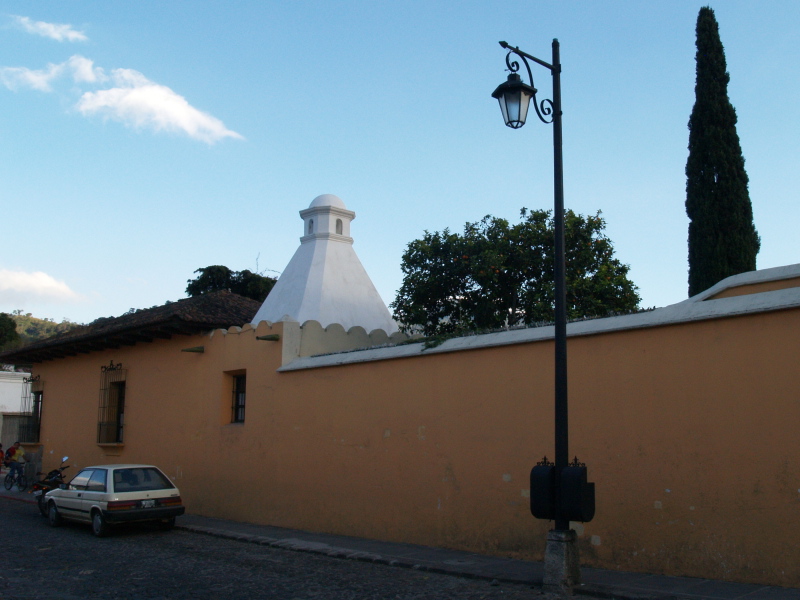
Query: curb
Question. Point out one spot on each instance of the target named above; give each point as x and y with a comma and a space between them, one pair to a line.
323, 549
25, 498
344, 553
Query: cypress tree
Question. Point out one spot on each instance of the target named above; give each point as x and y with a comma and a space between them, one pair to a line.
722, 237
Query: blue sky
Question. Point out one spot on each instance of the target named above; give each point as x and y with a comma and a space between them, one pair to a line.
140, 141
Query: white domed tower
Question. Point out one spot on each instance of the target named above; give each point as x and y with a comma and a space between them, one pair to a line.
325, 281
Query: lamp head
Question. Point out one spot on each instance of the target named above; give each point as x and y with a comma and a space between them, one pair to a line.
514, 97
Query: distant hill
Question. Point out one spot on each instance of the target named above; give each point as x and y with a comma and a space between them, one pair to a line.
31, 329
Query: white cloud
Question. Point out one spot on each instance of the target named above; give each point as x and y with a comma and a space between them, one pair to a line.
135, 100
54, 31
139, 102
84, 71
20, 286
81, 68
21, 77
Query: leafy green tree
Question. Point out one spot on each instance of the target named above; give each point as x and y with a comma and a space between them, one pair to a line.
217, 277
722, 236
497, 274
8, 330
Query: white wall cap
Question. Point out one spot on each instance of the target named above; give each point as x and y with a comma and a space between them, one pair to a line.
748, 278
693, 309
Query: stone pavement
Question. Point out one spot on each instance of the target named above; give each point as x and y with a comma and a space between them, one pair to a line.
596, 582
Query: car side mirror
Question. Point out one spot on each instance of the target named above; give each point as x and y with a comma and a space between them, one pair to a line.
63, 486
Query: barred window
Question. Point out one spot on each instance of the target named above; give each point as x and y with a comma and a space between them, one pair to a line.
31, 410
111, 417
237, 406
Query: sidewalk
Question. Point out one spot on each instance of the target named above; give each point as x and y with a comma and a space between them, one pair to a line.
596, 582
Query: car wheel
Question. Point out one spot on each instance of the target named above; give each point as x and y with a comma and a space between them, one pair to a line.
99, 527
53, 515
166, 524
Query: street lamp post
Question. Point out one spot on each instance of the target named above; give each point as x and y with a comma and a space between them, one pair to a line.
559, 491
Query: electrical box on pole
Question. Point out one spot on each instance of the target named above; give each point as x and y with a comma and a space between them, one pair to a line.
571, 487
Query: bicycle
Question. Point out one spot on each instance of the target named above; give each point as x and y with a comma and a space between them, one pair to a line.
19, 479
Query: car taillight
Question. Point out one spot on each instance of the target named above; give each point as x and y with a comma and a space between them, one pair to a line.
173, 501
122, 505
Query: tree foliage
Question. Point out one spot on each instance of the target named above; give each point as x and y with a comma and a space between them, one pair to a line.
217, 277
722, 237
8, 330
497, 274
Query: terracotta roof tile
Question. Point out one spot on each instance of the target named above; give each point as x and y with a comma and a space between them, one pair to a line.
184, 317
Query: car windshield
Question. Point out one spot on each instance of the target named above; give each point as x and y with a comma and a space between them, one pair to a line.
140, 479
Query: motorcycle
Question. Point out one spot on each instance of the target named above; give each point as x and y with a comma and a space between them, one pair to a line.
49, 482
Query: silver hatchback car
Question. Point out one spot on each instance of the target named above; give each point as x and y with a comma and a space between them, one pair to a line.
105, 495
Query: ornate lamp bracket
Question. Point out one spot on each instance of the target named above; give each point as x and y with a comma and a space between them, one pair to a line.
544, 108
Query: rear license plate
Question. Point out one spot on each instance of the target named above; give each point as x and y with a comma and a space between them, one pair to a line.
148, 503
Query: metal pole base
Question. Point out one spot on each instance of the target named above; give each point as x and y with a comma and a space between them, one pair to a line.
562, 571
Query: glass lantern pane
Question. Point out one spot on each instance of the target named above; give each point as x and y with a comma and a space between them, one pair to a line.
524, 106
512, 107
501, 101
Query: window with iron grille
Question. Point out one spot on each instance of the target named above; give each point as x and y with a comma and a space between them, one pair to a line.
237, 406
31, 410
111, 415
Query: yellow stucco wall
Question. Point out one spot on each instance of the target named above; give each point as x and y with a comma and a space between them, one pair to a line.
689, 432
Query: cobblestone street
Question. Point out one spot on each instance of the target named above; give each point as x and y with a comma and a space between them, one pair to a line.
144, 563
